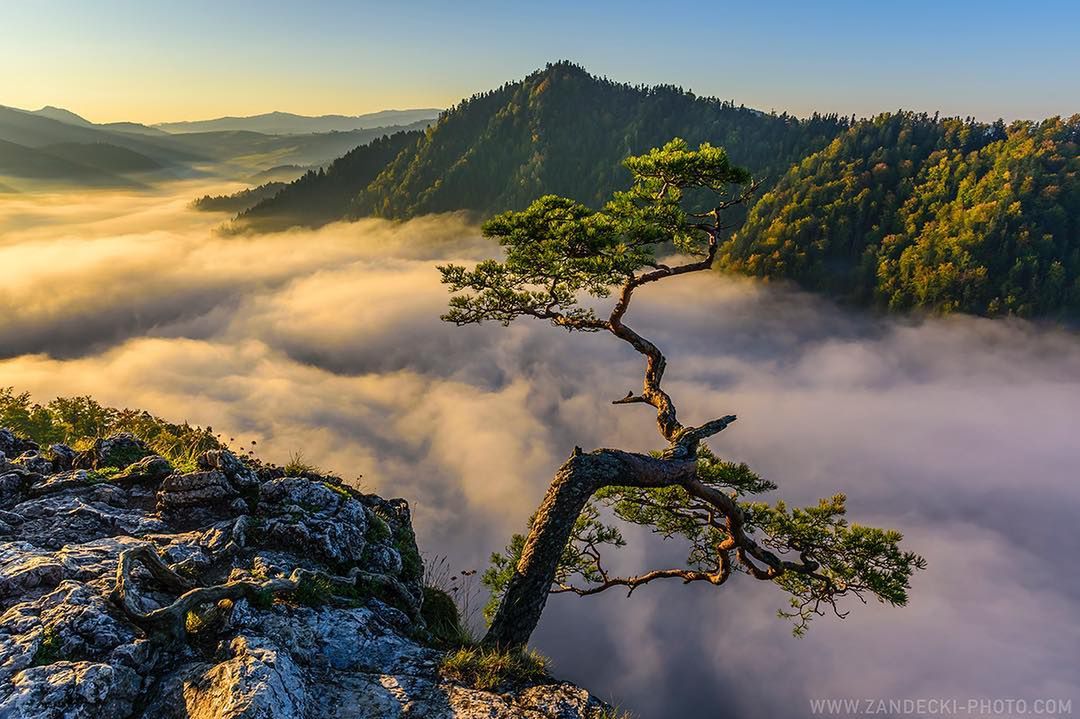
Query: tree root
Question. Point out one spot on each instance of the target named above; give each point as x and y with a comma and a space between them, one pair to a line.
172, 619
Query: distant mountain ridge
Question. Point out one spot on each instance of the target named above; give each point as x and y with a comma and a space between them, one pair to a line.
35, 164
902, 211
68, 117
99, 153
62, 115
37, 129
287, 123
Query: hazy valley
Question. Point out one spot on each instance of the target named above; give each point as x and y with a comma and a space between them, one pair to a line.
55, 148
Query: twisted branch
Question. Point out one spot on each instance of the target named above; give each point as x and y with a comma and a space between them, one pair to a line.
655, 362
716, 578
748, 553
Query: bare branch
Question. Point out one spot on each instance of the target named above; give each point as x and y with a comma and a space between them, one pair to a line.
715, 577
655, 362
686, 442
631, 583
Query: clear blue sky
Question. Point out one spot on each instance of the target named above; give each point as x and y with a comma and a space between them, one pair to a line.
153, 61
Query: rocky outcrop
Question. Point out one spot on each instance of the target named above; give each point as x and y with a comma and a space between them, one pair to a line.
131, 590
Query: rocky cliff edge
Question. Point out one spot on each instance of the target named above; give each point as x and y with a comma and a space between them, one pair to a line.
130, 589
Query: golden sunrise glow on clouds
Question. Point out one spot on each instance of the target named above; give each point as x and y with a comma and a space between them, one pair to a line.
329, 341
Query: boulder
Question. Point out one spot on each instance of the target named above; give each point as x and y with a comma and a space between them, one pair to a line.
117, 451
315, 519
239, 474
63, 457
71, 690
33, 461
195, 489
12, 445
255, 681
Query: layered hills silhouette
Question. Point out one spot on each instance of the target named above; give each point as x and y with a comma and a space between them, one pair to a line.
57, 145
287, 123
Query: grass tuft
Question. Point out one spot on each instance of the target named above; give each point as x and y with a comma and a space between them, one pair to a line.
412, 565
50, 649
299, 467
262, 599
313, 591
378, 531
102, 474
338, 490
487, 668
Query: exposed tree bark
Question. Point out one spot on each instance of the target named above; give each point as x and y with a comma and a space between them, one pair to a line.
583, 474
574, 484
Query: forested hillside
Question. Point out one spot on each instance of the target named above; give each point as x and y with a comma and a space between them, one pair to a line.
908, 211
901, 211
559, 130
563, 131
238, 201
321, 196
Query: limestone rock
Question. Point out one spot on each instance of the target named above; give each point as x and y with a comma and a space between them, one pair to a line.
63, 456
257, 681
12, 446
71, 690
239, 474
73, 647
150, 468
196, 489
118, 451
312, 517
11, 488
82, 516
33, 461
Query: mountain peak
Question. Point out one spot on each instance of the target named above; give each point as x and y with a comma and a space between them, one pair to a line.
60, 114
561, 70
565, 131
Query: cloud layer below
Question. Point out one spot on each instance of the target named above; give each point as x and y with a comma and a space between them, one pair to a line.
961, 432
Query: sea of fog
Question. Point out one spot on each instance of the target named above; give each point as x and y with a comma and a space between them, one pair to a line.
961, 432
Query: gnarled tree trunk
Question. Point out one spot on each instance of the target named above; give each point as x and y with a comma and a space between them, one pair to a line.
575, 482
